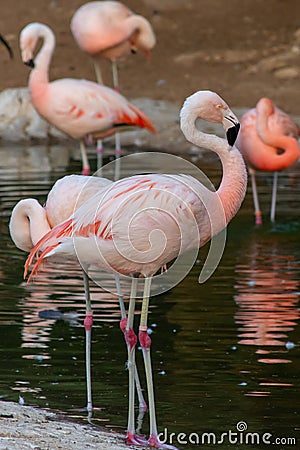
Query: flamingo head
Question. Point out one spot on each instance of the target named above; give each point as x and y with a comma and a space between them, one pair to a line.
29, 38
209, 106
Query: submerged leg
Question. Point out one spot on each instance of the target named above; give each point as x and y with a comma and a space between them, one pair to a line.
257, 212
274, 196
88, 323
85, 162
145, 342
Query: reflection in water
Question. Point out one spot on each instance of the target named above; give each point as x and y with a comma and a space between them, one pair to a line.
267, 296
52, 291
20, 159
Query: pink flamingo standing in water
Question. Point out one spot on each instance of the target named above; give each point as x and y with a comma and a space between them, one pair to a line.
268, 141
79, 108
30, 222
109, 30
115, 230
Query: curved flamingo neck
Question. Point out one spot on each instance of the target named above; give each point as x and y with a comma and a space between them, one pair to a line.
285, 148
140, 28
232, 188
28, 224
39, 76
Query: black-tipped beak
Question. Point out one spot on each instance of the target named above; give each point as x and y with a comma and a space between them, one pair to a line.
29, 63
232, 134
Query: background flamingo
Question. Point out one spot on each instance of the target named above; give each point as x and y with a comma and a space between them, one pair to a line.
269, 142
109, 30
115, 230
77, 107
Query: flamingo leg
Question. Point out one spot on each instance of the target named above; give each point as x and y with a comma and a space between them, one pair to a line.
123, 323
88, 323
117, 156
131, 340
98, 72
274, 195
100, 151
257, 212
115, 76
85, 162
145, 342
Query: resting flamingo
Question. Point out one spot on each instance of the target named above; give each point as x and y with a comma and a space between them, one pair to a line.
79, 108
30, 221
183, 210
108, 29
269, 142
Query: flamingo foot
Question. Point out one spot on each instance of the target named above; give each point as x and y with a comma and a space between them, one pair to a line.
86, 171
153, 441
135, 439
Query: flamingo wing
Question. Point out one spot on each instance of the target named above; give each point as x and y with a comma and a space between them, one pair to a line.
80, 107
127, 212
100, 25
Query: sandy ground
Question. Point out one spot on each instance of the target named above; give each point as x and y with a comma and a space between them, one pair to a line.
24, 428
242, 49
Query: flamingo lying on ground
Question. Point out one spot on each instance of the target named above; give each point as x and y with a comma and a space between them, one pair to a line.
79, 108
30, 221
115, 230
269, 142
108, 29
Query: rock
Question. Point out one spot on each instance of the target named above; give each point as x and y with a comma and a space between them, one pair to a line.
19, 121
287, 73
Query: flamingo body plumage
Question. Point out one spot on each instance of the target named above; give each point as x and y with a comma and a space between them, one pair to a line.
268, 140
30, 221
79, 108
116, 230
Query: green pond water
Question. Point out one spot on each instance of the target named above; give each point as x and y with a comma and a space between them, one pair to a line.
225, 353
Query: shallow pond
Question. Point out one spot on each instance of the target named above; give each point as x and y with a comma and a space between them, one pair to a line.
225, 353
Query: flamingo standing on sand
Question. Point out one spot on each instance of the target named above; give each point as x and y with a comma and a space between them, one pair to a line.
30, 221
184, 212
79, 108
269, 142
109, 30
